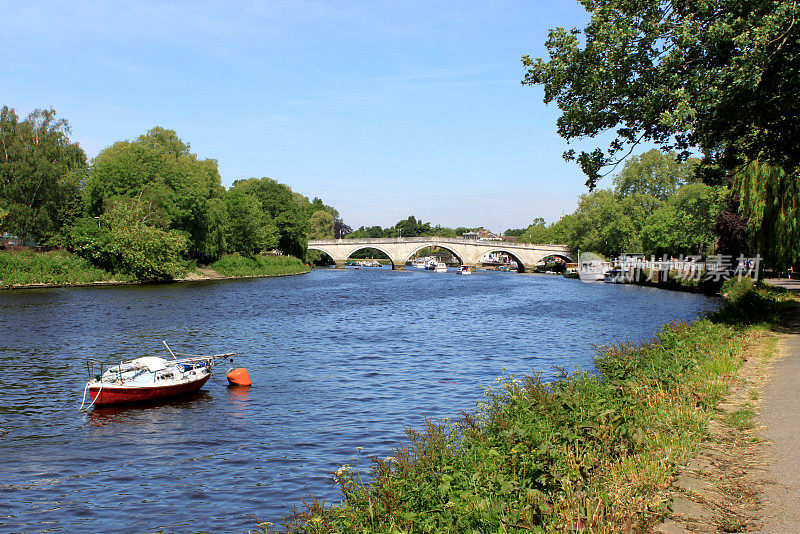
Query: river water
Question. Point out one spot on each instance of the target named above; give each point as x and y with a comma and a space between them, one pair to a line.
339, 359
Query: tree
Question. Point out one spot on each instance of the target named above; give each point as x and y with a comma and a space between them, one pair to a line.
320, 225
210, 239
249, 229
144, 251
654, 173
411, 227
731, 229
601, 224
514, 232
160, 168
38, 172
340, 229
281, 205
770, 200
721, 76
685, 224
371, 232
537, 232
123, 240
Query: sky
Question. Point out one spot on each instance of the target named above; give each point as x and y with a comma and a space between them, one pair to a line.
383, 109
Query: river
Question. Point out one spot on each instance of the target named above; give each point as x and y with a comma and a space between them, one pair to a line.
339, 359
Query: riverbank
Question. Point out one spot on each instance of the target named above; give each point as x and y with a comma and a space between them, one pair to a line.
27, 270
745, 475
586, 452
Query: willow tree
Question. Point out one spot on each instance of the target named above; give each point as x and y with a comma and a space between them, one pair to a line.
770, 198
717, 76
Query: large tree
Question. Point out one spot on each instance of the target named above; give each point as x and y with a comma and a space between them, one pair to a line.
770, 199
159, 168
720, 76
685, 223
287, 210
40, 173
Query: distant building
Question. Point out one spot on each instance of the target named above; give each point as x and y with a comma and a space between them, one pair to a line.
482, 234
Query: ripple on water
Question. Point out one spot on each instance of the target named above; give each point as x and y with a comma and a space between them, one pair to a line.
339, 360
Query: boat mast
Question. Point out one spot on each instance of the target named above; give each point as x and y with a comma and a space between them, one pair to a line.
169, 349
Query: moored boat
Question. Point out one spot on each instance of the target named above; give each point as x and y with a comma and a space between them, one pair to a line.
464, 270
593, 270
150, 378
441, 267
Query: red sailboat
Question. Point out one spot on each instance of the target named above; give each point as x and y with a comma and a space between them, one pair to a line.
150, 378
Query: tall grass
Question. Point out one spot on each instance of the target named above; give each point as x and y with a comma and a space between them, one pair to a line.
237, 265
592, 452
56, 267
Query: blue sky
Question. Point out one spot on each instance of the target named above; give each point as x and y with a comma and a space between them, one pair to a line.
382, 109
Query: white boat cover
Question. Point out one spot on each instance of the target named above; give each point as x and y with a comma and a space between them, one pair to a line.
152, 363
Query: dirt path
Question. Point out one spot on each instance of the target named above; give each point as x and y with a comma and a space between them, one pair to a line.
203, 273
746, 478
780, 418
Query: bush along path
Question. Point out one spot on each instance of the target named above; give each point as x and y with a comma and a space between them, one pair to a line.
589, 452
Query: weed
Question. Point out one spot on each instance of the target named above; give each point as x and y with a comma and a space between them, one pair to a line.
742, 419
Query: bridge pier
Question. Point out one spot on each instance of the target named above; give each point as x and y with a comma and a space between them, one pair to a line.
339, 264
398, 266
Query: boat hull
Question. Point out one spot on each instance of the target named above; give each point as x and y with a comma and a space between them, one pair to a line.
110, 394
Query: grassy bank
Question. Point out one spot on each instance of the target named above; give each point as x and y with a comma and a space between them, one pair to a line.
56, 267
237, 265
588, 452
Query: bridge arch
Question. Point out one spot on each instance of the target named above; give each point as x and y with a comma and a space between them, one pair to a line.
521, 266
378, 248
322, 249
437, 245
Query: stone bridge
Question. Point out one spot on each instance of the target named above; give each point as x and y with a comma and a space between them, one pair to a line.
469, 252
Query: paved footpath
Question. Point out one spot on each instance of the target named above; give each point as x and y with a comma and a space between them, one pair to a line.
780, 417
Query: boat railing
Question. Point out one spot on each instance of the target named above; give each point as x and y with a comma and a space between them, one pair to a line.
92, 364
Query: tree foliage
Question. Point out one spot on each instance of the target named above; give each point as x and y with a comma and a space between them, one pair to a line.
685, 223
143, 207
249, 230
39, 172
655, 174
722, 76
160, 168
287, 211
770, 199
655, 207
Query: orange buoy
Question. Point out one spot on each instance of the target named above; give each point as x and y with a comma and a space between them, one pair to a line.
239, 377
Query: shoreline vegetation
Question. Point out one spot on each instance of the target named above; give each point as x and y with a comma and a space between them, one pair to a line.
28, 269
588, 452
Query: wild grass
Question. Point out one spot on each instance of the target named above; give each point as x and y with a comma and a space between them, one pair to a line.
593, 452
237, 265
58, 267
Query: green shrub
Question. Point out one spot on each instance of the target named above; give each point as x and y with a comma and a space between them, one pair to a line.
238, 265
57, 267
